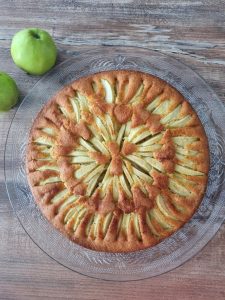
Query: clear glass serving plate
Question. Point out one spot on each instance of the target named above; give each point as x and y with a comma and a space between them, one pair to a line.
173, 251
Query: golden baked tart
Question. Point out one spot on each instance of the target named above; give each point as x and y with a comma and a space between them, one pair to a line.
118, 161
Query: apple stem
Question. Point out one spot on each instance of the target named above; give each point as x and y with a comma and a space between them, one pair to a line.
35, 35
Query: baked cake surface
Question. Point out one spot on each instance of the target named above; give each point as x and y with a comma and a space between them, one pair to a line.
117, 161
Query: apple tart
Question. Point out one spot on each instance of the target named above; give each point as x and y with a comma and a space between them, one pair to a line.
118, 161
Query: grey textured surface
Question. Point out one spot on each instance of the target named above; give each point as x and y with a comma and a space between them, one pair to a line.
191, 31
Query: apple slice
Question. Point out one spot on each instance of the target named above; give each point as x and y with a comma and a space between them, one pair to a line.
81, 160
161, 219
127, 174
95, 132
68, 201
78, 153
102, 129
76, 109
106, 183
136, 226
115, 188
94, 226
142, 175
46, 151
44, 141
85, 170
143, 150
48, 167
110, 126
44, 148
186, 152
48, 130
150, 225
181, 178
106, 223
140, 183
179, 189
48, 158
180, 123
125, 186
60, 196
155, 163
152, 140
165, 208
92, 184
163, 108
100, 146
184, 140
153, 104
140, 162
187, 171
89, 225
138, 94
109, 91
52, 179
142, 136
120, 134
95, 87
82, 101
71, 213
86, 145
80, 148
184, 161
171, 116
78, 217
97, 170
128, 128
125, 223
64, 111
144, 154
133, 132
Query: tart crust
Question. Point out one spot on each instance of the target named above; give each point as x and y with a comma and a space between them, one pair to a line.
117, 161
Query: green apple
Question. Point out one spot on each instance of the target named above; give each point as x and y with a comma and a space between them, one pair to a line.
9, 93
33, 50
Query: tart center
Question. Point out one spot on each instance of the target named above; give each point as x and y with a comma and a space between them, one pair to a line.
112, 158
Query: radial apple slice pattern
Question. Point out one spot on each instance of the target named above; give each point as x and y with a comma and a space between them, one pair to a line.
118, 161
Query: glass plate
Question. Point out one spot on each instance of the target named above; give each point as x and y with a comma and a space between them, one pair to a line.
174, 250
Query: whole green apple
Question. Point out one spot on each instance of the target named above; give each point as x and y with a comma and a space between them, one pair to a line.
9, 93
33, 50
